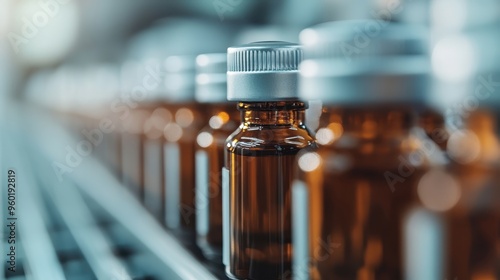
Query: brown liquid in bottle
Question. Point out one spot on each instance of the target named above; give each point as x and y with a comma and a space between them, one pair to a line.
261, 157
360, 183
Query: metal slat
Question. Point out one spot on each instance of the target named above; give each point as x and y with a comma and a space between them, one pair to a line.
130, 213
93, 243
99, 184
39, 252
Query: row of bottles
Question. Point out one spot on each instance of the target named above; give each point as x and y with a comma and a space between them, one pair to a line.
373, 196
357, 189
378, 182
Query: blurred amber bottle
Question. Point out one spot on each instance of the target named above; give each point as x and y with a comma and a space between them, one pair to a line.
131, 149
152, 140
467, 86
134, 111
180, 144
473, 216
211, 91
352, 193
259, 159
151, 119
94, 94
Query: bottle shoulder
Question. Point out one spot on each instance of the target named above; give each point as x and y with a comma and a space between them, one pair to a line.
269, 139
215, 134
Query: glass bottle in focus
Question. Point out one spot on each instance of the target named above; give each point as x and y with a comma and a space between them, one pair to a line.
259, 159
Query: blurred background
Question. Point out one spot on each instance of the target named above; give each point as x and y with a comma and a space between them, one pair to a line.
66, 64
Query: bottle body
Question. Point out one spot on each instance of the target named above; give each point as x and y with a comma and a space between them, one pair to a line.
259, 159
473, 223
209, 163
352, 194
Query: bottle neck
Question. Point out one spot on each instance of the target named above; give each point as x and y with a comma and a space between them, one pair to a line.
290, 113
229, 108
222, 114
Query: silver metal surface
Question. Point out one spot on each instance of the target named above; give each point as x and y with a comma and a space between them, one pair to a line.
138, 221
33, 233
263, 71
211, 78
85, 224
179, 81
469, 75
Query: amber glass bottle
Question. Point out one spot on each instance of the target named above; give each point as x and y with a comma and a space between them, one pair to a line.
144, 94
180, 144
131, 118
141, 122
471, 103
152, 152
260, 157
352, 193
473, 219
211, 90
100, 87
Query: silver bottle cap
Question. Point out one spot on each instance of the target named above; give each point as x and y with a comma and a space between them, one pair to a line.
211, 78
364, 62
263, 71
179, 81
466, 70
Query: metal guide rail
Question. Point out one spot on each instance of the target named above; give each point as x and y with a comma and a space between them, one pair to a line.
87, 225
